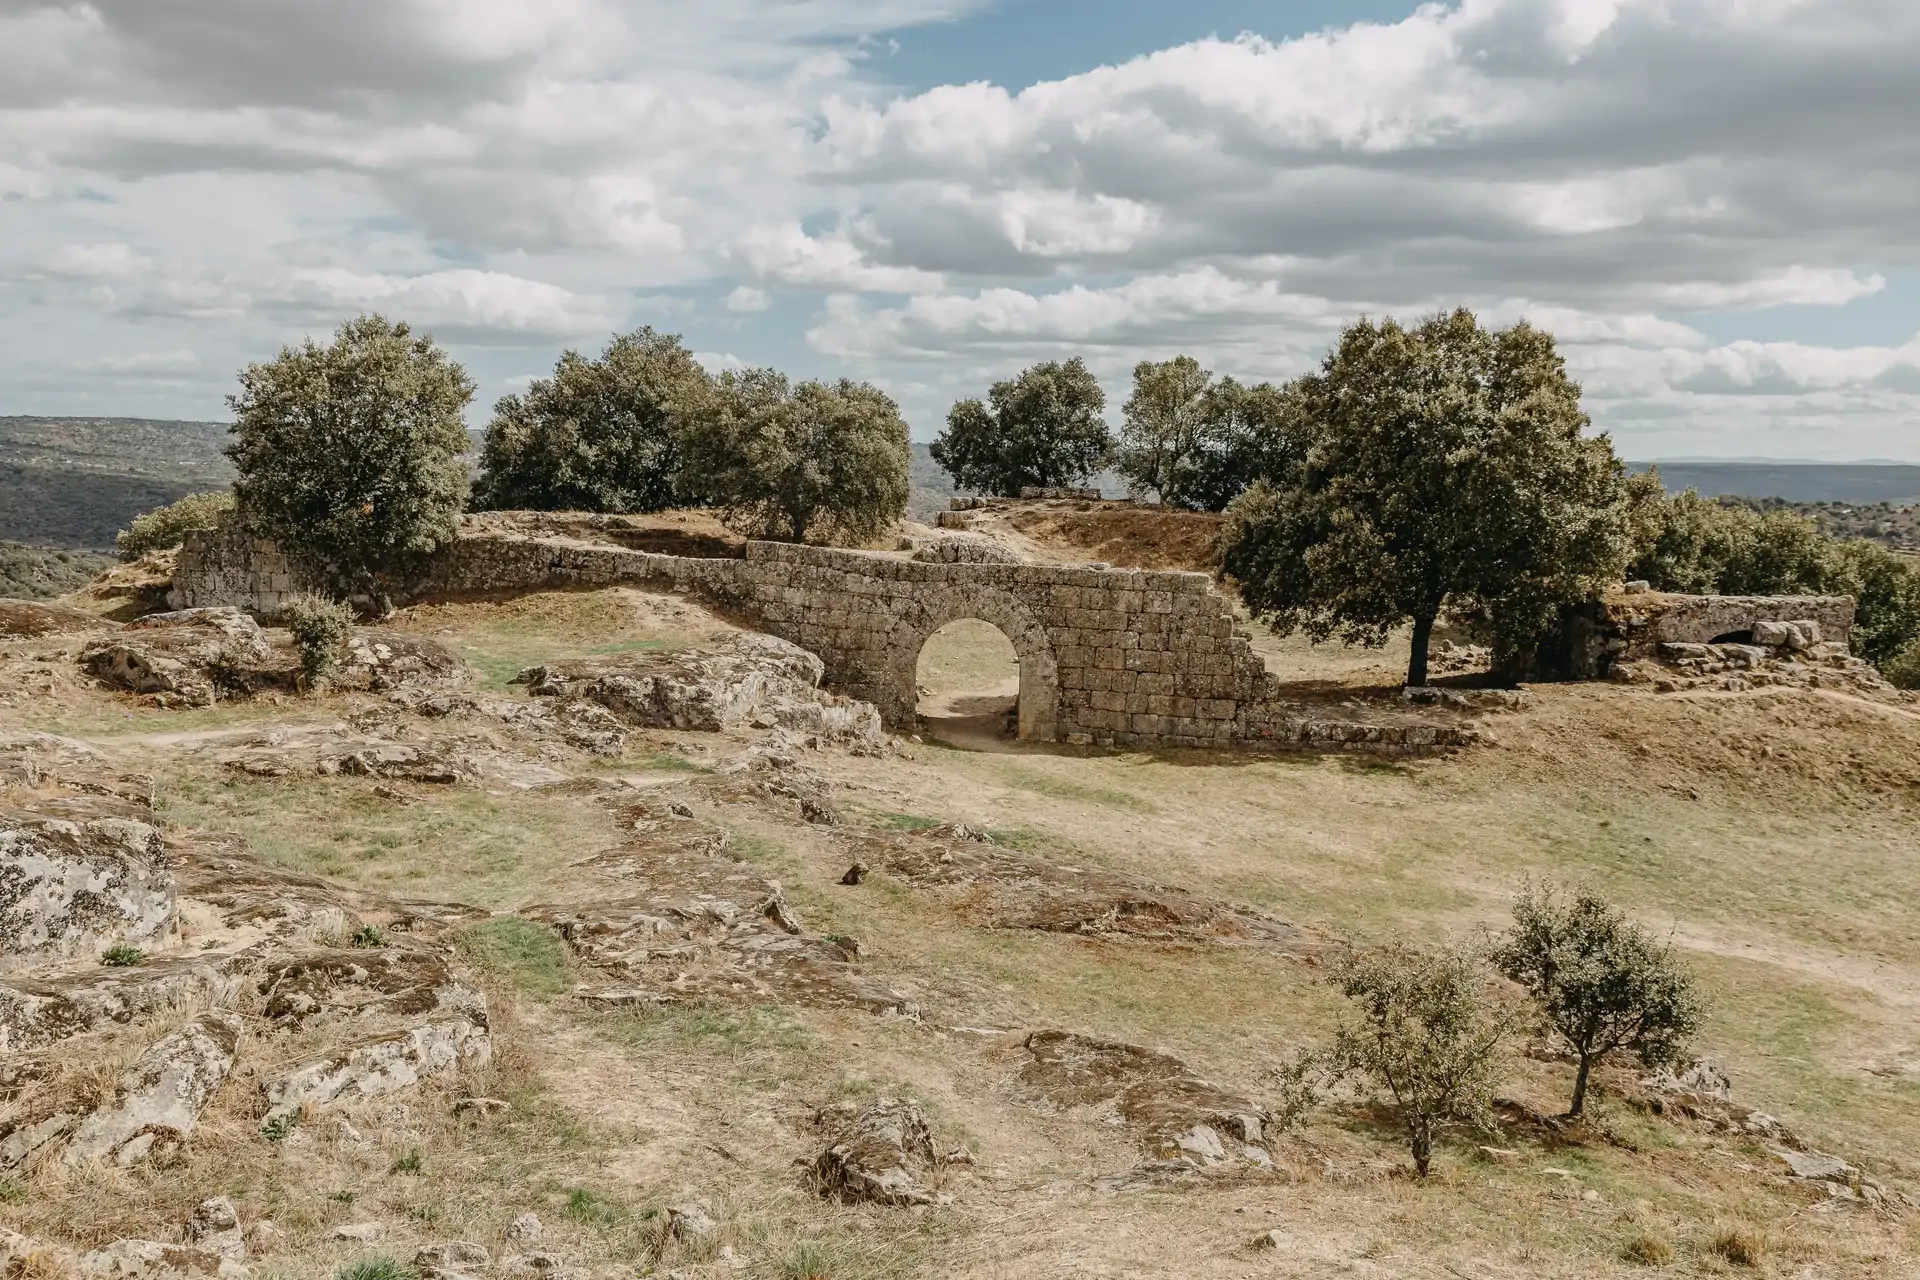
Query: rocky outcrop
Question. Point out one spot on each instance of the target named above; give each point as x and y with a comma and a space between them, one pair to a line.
739, 680
35, 1013
158, 1101
879, 1153
1184, 1123
1790, 657
152, 1260
189, 658
333, 983
382, 1065
1004, 889
381, 661
72, 888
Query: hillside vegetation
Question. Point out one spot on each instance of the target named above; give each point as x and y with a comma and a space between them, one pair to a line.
76, 482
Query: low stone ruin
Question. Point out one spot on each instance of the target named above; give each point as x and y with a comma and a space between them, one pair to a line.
1632, 624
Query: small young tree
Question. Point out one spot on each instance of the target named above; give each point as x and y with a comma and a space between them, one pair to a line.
787, 461
1440, 466
168, 526
1426, 1034
1601, 983
599, 435
349, 454
1041, 428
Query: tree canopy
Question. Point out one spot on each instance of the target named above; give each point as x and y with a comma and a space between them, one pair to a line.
1601, 983
600, 434
1042, 428
792, 461
1198, 442
349, 454
1439, 466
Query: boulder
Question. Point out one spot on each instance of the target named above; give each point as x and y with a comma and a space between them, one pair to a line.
190, 658
72, 888
159, 1100
361, 982
36, 1013
1182, 1121
882, 1153
215, 1228
383, 1065
152, 1260
360, 1232
743, 678
381, 661
525, 1229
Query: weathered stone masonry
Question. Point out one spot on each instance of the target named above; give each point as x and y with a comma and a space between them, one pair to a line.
1122, 657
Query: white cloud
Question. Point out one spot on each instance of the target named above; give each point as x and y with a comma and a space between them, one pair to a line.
746, 298
512, 175
95, 262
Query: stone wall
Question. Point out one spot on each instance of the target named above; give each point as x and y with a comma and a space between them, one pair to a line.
1121, 657
229, 566
1626, 627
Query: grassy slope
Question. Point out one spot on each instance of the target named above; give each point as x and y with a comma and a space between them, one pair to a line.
1775, 834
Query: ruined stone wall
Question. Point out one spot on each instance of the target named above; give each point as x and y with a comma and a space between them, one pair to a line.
229, 566
1626, 627
1121, 657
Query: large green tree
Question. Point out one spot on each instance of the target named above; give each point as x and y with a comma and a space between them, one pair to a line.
1042, 428
1198, 442
1441, 466
350, 454
797, 461
1161, 425
600, 434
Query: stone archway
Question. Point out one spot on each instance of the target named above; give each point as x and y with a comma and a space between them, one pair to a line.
1039, 670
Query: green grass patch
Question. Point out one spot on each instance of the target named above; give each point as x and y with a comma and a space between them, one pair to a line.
1044, 784
738, 1033
380, 1267
595, 1209
529, 956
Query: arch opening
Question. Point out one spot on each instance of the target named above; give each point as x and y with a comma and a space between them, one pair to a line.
967, 683
1733, 637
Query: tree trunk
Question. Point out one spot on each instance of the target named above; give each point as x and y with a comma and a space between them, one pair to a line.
1422, 1146
1422, 637
1580, 1086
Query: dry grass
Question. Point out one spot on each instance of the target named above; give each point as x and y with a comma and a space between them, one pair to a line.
1773, 834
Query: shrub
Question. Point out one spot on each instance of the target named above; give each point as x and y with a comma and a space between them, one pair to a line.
1600, 982
1426, 1035
349, 454
1742, 1246
121, 956
166, 527
379, 1267
320, 628
278, 1128
788, 461
1041, 428
1649, 1249
599, 435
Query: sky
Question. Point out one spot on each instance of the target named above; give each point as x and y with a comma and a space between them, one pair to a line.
1713, 204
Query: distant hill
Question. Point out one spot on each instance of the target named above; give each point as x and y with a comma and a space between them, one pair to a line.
75, 482
1793, 481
